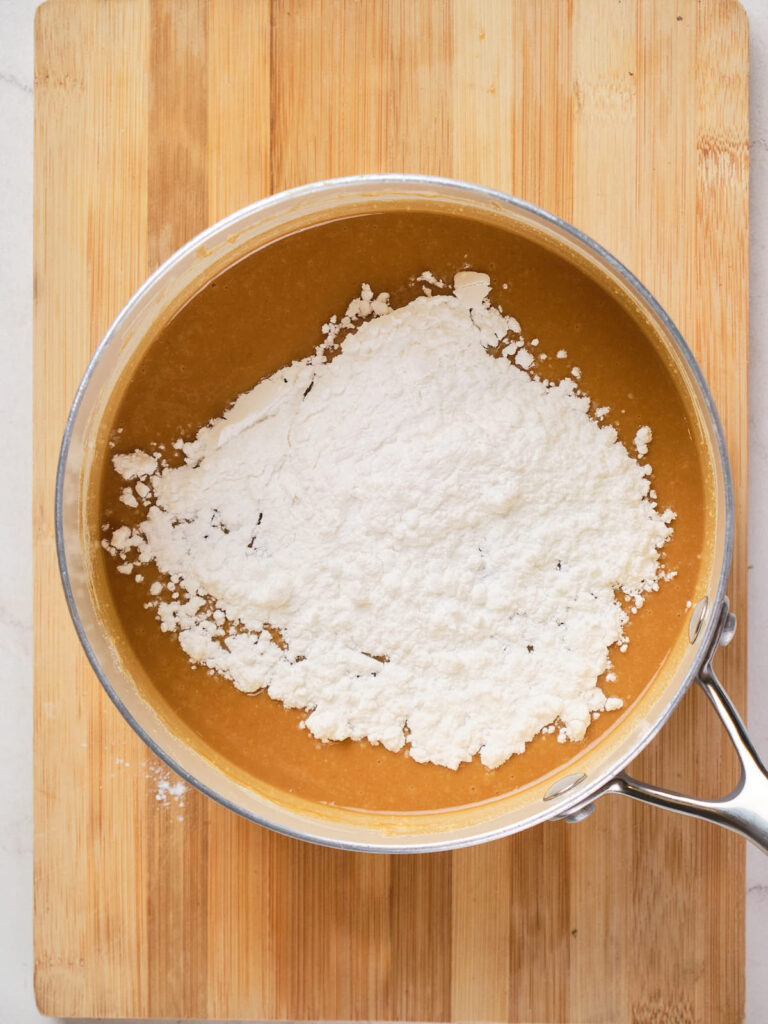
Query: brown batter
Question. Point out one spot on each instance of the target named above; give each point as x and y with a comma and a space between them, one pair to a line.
265, 312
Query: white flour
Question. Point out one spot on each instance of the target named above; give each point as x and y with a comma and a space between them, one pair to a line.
643, 438
445, 545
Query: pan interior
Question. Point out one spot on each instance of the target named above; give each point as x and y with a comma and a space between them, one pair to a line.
196, 361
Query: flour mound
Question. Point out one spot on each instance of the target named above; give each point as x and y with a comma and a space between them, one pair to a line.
416, 540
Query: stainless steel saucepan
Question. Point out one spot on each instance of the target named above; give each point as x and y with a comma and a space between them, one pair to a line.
567, 793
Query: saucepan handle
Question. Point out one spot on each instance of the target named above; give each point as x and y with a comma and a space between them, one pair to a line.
745, 809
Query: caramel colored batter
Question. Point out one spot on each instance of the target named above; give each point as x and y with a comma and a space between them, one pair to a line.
265, 312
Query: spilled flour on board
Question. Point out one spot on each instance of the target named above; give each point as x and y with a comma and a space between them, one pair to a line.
408, 534
169, 790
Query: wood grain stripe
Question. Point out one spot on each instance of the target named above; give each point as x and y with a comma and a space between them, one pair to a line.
238, 79
360, 88
241, 966
666, 141
513, 130
176, 844
605, 154
178, 125
482, 891
720, 311
421, 924
61, 107
90, 208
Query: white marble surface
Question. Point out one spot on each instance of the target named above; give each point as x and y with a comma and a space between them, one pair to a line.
16, 997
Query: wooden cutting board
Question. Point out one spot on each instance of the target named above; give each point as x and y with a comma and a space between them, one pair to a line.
154, 119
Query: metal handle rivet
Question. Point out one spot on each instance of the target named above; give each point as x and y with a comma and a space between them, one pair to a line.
564, 785
698, 617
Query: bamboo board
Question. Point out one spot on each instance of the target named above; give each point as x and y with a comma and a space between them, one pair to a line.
154, 118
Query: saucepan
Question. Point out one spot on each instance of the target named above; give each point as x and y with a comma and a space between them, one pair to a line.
567, 793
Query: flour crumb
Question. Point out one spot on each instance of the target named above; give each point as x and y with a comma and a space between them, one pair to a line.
128, 498
562, 354
429, 278
475, 495
643, 438
135, 464
576, 372
602, 412
471, 288
365, 305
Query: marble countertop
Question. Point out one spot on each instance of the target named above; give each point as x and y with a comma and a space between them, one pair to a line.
16, 17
